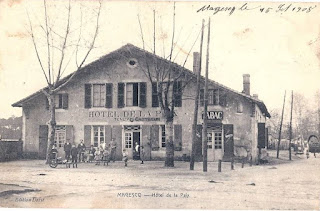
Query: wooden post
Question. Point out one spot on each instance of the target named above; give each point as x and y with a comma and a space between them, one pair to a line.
205, 117
290, 126
242, 163
232, 163
196, 103
219, 165
284, 100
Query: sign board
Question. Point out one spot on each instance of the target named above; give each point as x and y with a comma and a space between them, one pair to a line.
127, 115
214, 115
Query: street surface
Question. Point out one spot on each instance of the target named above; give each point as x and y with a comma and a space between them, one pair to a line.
281, 184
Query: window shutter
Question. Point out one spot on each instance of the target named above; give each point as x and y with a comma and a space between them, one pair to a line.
120, 95
143, 97
47, 103
65, 100
109, 91
201, 97
69, 134
177, 137
87, 135
154, 136
155, 99
177, 92
222, 98
87, 97
261, 135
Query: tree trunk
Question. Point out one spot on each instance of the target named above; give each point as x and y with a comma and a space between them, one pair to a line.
169, 143
51, 124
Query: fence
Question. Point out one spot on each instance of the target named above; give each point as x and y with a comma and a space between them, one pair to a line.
10, 150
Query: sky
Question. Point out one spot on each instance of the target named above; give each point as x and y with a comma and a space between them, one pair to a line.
276, 43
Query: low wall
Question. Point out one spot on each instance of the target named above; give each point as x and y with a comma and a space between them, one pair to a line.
10, 150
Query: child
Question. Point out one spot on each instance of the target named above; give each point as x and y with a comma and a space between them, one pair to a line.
97, 157
125, 157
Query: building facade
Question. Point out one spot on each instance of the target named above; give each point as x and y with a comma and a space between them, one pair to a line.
113, 99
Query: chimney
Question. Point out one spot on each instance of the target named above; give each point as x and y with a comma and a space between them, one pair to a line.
255, 96
196, 61
246, 84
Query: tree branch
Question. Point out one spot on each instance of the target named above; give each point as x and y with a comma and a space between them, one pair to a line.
36, 49
88, 52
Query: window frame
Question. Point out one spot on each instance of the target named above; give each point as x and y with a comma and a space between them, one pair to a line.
101, 103
59, 130
103, 130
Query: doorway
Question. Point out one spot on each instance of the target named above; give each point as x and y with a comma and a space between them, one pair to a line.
131, 141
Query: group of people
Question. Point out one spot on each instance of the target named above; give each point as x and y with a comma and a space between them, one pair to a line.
81, 153
104, 153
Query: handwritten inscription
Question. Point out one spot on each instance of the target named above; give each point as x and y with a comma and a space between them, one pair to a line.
281, 8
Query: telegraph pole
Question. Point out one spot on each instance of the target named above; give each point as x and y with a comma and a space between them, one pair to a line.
205, 117
196, 104
290, 128
284, 100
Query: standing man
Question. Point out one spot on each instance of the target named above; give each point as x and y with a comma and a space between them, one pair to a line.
113, 146
67, 150
81, 150
74, 156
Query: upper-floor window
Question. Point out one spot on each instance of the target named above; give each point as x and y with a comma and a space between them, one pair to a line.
175, 90
132, 94
98, 95
215, 97
60, 101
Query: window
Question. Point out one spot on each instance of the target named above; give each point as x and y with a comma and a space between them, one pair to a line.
163, 135
215, 97
175, 90
60, 101
60, 136
98, 135
239, 107
128, 140
133, 94
177, 93
218, 139
99, 95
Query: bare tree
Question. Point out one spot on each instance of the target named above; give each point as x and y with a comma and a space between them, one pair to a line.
170, 80
67, 45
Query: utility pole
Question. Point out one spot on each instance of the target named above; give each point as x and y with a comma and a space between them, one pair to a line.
196, 102
284, 100
290, 127
205, 110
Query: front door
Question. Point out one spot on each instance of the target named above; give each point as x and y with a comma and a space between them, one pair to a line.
43, 141
215, 144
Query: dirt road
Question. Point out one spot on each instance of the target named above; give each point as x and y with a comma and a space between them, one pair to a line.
289, 185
